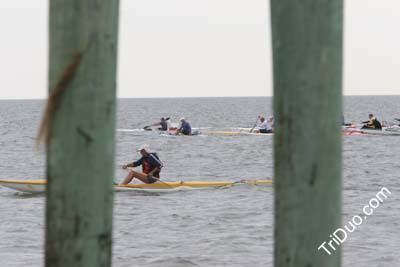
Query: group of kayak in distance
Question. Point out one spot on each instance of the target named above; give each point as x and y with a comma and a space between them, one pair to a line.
185, 128
266, 126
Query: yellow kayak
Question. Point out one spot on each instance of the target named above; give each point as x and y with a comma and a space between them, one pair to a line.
39, 186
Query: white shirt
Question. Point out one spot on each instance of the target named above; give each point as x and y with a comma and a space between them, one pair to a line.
266, 125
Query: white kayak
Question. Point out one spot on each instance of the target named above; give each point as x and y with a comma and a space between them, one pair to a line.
236, 131
39, 186
139, 130
171, 131
195, 131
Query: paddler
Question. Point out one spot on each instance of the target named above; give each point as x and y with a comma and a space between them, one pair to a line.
267, 126
184, 127
372, 123
163, 123
151, 167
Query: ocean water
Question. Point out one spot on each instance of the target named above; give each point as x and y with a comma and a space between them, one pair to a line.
230, 226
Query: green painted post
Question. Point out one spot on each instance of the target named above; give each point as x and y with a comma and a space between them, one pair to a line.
307, 65
80, 138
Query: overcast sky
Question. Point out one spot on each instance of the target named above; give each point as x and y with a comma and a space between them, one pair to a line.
171, 48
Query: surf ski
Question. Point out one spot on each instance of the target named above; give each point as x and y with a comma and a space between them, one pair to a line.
39, 186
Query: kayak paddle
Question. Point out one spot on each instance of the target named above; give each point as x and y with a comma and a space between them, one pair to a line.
255, 124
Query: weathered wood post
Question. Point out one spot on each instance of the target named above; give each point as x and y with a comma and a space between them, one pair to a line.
81, 120
307, 65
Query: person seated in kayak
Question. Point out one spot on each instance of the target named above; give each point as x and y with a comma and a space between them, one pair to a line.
151, 167
184, 127
267, 126
372, 123
163, 123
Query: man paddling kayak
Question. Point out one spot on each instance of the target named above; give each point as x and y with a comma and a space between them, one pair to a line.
163, 123
267, 126
372, 123
184, 127
151, 167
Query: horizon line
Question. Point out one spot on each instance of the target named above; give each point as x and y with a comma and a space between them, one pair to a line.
162, 97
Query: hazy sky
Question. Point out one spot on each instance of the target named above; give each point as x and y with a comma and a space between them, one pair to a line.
200, 48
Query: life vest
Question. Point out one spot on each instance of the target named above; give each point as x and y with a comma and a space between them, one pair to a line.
371, 123
151, 162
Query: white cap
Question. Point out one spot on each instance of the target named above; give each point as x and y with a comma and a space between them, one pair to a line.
144, 147
182, 119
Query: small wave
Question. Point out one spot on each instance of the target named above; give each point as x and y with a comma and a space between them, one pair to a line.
175, 262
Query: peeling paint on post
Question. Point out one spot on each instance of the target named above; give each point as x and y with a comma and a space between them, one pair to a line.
307, 53
80, 150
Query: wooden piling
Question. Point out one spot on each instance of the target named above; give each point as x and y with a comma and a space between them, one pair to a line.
81, 126
307, 66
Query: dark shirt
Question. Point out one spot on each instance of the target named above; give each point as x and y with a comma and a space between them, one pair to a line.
185, 128
164, 125
377, 124
149, 163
